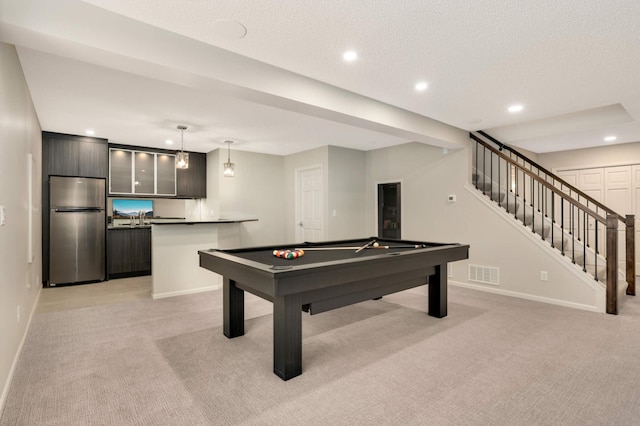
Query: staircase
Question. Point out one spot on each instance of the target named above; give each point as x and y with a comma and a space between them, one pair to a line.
574, 224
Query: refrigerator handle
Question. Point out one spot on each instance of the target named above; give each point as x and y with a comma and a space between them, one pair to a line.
76, 209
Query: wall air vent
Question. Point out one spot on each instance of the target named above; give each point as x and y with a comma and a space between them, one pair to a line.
484, 274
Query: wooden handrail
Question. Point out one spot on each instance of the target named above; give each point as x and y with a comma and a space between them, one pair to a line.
610, 220
547, 172
571, 200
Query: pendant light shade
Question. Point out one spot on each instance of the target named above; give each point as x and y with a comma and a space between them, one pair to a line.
182, 158
229, 167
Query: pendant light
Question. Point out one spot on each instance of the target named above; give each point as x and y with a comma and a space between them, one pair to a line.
182, 158
229, 167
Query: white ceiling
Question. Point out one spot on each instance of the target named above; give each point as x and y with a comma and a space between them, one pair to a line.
134, 70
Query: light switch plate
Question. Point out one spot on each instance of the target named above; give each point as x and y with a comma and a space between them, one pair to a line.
3, 215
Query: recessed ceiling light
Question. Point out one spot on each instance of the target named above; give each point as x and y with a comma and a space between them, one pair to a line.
515, 108
350, 55
90, 132
169, 142
610, 138
421, 86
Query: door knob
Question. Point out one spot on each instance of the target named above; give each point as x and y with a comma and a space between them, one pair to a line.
300, 225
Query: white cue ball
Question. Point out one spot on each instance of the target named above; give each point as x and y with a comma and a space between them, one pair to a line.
376, 244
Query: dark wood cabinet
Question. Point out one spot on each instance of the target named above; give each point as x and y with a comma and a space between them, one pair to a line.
70, 155
62, 156
129, 252
192, 182
93, 159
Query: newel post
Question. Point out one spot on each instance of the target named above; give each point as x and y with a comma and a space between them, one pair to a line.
630, 244
612, 264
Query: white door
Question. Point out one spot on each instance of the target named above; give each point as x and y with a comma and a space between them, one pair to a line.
618, 196
310, 207
636, 210
570, 216
591, 182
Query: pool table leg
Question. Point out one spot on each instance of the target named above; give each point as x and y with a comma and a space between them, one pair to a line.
438, 292
233, 309
287, 336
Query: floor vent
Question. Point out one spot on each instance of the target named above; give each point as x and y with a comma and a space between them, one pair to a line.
484, 274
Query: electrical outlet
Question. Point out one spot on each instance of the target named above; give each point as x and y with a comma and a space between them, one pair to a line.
544, 276
3, 215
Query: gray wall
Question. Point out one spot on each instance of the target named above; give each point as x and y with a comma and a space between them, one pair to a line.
346, 194
20, 281
256, 191
428, 176
344, 177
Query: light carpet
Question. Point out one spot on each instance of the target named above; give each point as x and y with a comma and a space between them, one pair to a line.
493, 361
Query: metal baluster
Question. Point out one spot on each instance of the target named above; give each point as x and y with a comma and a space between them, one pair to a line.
508, 185
533, 208
578, 227
491, 176
484, 169
573, 236
562, 223
477, 171
544, 197
515, 194
595, 253
584, 246
553, 217
524, 198
499, 184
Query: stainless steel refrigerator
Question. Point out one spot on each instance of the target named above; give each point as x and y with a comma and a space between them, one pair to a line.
76, 230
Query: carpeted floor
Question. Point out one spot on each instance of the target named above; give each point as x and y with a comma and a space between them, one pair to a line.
492, 361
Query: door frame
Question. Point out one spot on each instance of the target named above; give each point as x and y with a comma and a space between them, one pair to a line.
375, 204
298, 200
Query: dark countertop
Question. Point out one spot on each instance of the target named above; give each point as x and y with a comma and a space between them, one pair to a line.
197, 222
179, 222
112, 227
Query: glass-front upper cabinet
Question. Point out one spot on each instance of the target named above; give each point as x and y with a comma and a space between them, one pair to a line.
141, 173
120, 171
145, 172
166, 174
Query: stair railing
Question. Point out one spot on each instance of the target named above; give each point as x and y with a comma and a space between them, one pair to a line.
552, 206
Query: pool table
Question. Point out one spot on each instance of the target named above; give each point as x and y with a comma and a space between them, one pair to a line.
329, 275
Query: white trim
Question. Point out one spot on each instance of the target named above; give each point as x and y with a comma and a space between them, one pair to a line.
532, 297
12, 370
155, 296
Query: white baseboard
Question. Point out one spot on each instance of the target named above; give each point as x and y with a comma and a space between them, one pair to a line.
527, 296
7, 385
184, 292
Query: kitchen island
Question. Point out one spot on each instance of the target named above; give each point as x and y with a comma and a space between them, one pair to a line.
175, 265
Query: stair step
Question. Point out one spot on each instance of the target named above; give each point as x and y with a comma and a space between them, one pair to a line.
602, 272
578, 257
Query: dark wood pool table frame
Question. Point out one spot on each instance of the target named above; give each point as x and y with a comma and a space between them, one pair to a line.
319, 287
